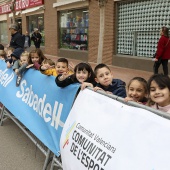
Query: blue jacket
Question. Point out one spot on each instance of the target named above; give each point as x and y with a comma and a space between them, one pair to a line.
118, 87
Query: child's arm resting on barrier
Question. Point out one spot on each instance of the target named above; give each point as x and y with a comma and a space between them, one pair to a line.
86, 84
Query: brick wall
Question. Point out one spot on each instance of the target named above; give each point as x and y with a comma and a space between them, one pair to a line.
94, 28
51, 27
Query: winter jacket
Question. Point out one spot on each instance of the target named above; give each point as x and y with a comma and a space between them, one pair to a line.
163, 48
117, 87
17, 41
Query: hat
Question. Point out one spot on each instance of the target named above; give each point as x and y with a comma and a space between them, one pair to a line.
17, 53
35, 29
13, 26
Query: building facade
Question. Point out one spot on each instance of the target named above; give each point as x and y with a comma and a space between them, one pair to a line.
71, 28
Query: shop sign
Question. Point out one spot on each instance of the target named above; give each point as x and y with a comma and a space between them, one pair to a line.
20, 4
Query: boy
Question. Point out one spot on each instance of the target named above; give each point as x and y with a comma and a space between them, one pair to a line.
106, 82
62, 66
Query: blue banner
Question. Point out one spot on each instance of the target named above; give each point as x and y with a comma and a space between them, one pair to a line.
38, 103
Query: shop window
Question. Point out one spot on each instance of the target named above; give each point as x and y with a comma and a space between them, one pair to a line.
37, 21
3, 32
138, 26
74, 29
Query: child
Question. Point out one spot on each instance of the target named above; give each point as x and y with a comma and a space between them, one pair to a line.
62, 66
48, 67
35, 59
106, 82
2, 55
137, 90
20, 67
159, 92
83, 74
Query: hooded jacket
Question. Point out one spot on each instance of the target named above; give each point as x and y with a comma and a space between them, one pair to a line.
117, 87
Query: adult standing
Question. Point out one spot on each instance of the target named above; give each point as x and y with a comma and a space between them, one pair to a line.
36, 38
27, 41
163, 51
17, 40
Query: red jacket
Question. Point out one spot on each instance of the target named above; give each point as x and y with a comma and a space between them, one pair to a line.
163, 49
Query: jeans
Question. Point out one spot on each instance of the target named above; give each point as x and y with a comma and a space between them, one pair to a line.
164, 65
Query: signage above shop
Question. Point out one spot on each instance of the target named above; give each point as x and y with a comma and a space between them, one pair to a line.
20, 4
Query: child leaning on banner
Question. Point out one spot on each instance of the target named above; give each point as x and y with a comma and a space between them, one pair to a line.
62, 66
35, 59
83, 74
106, 82
48, 67
159, 92
20, 66
137, 90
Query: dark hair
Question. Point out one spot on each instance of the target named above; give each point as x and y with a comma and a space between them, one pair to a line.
39, 53
163, 81
1, 47
85, 66
141, 80
99, 66
63, 60
165, 31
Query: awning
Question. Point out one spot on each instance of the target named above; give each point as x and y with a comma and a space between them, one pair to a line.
33, 9
57, 4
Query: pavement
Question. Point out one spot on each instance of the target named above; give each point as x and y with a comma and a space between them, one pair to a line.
17, 152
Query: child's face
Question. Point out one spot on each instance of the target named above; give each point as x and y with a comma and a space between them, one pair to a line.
61, 67
104, 77
23, 60
82, 75
158, 95
34, 58
9, 52
136, 91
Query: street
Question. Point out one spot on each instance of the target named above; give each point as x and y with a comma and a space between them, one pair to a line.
17, 152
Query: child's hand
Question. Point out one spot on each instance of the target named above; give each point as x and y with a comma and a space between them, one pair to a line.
126, 99
108, 92
85, 84
97, 88
16, 71
63, 76
8, 64
29, 66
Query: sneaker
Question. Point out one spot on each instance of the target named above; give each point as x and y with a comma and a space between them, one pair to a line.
18, 80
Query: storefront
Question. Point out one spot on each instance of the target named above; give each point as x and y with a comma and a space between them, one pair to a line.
138, 31
28, 15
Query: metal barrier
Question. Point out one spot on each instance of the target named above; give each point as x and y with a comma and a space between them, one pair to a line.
56, 161
5, 114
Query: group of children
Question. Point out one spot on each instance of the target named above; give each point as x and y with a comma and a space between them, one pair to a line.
154, 93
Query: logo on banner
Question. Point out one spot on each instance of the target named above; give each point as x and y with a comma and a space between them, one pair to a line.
89, 148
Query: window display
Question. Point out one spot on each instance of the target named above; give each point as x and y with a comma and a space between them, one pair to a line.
3, 32
74, 29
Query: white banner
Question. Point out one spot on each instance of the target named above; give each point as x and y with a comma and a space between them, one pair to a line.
103, 134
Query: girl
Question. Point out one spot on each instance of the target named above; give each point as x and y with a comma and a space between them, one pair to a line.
83, 74
137, 90
159, 92
35, 59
